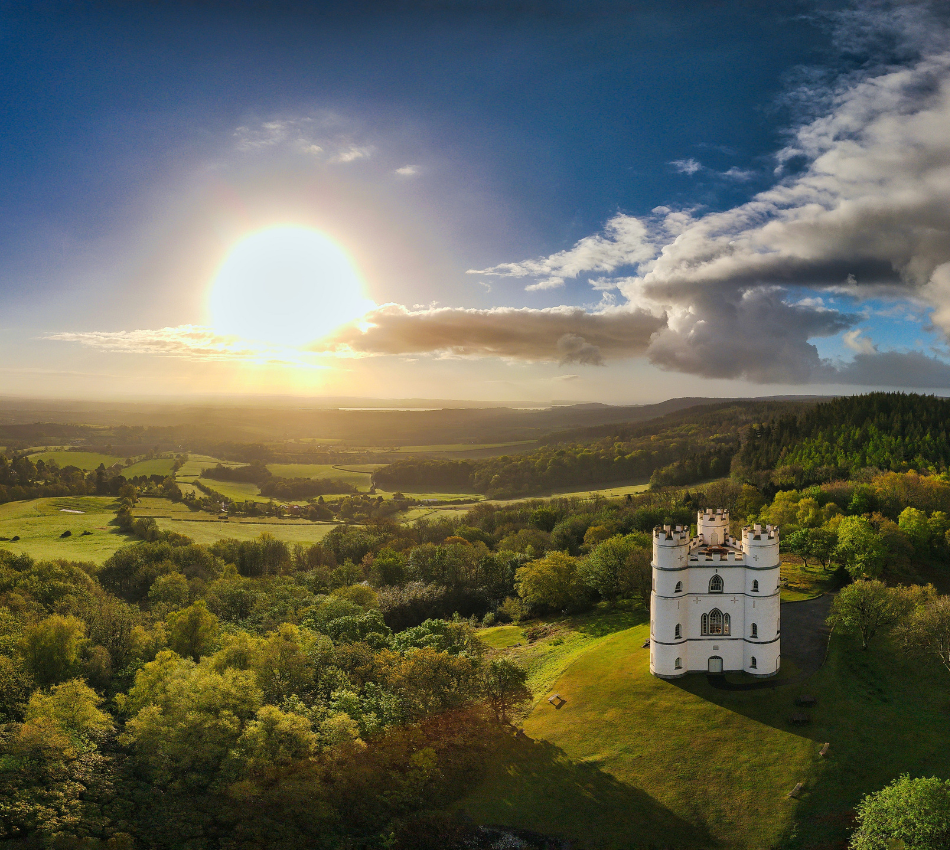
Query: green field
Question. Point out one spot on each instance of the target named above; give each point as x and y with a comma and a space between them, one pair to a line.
84, 460
40, 522
156, 466
210, 530
633, 761
356, 474
461, 448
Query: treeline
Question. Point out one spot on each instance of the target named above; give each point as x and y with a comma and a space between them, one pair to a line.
890, 431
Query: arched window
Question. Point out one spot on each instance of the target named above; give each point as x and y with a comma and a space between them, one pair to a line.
755, 630
755, 586
678, 664
715, 623
752, 662
678, 588
715, 584
677, 632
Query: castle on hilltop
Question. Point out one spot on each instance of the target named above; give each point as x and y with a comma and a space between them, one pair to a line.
715, 600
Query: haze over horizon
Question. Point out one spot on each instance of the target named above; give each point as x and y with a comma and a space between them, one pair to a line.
617, 202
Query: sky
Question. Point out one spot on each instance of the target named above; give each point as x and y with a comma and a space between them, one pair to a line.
496, 200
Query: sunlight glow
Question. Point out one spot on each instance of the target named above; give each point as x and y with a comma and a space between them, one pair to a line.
288, 285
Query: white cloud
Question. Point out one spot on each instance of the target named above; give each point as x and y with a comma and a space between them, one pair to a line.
858, 343
408, 171
687, 166
352, 154
189, 342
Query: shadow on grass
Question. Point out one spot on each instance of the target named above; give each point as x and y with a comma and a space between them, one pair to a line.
534, 784
601, 624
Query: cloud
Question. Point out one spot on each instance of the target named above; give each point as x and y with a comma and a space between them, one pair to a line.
858, 343
189, 342
741, 174
408, 171
687, 166
624, 242
352, 153
910, 369
559, 334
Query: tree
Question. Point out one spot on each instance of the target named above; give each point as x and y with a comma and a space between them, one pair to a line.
927, 630
867, 607
52, 648
504, 686
607, 569
550, 582
909, 813
73, 706
812, 544
860, 548
193, 631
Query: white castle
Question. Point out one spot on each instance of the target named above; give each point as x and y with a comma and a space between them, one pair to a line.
715, 600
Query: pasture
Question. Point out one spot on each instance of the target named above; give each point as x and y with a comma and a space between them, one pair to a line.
87, 461
632, 761
156, 466
39, 523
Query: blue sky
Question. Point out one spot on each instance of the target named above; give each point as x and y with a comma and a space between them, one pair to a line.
597, 201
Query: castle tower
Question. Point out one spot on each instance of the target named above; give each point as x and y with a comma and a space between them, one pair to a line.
714, 605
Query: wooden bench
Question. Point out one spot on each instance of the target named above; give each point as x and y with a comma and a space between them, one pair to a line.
824, 750
793, 794
556, 700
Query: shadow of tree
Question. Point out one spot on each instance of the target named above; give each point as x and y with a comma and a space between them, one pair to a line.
533, 784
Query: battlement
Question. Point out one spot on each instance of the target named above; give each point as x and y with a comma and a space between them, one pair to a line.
760, 535
717, 555
716, 515
671, 535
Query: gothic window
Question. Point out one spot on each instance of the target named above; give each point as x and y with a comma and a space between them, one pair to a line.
678, 664
678, 588
715, 623
715, 584
755, 630
677, 632
755, 586
752, 662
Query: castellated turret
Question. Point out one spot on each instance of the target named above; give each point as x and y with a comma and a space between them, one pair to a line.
714, 605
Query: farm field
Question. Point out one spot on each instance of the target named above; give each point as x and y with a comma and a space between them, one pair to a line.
211, 530
40, 522
156, 466
630, 760
356, 474
84, 460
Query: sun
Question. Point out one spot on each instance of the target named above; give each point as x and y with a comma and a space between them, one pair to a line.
286, 285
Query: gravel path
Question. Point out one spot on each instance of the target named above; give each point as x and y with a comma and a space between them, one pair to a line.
804, 641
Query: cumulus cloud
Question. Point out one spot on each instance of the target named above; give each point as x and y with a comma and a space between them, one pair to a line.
625, 241
858, 343
408, 171
558, 334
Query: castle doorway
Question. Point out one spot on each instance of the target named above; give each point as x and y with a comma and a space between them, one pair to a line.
715, 664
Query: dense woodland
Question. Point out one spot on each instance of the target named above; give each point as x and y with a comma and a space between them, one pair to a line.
252, 694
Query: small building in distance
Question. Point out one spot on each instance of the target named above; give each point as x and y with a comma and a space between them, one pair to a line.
714, 606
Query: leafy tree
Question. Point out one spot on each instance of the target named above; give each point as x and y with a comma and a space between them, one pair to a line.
613, 568
550, 582
909, 813
169, 592
193, 631
504, 685
73, 706
927, 629
860, 548
52, 649
867, 607
441, 635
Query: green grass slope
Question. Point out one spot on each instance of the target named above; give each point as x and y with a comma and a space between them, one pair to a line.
633, 761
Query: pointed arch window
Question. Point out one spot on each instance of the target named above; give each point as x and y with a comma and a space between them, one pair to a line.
755, 630
755, 586
715, 623
678, 632
715, 584
678, 588
678, 664
753, 663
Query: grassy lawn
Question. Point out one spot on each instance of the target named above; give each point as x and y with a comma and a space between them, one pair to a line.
84, 460
632, 761
40, 522
156, 466
801, 583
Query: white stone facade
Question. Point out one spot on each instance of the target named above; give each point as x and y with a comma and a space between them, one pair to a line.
715, 600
